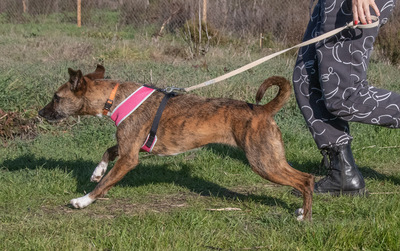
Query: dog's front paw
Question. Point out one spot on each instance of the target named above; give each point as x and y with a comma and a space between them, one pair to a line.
81, 202
98, 173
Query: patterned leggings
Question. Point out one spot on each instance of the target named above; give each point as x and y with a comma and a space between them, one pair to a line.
330, 77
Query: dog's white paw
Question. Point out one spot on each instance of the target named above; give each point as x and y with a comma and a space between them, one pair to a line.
81, 202
98, 173
299, 214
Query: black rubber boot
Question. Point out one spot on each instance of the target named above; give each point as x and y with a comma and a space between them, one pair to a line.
343, 176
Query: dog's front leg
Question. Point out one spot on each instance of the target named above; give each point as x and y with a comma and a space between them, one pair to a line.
109, 155
120, 169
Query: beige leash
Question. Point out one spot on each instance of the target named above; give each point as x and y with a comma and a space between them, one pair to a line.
375, 23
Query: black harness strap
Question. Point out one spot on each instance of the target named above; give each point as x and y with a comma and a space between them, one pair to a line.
152, 135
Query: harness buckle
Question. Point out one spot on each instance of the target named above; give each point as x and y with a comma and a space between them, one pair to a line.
110, 100
107, 106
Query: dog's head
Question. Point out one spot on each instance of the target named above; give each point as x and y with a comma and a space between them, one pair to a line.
69, 98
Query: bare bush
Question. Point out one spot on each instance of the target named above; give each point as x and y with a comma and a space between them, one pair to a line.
388, 42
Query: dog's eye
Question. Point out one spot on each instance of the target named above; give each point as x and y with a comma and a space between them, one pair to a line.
56, 98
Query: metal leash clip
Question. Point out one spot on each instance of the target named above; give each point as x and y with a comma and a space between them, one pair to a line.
173, 89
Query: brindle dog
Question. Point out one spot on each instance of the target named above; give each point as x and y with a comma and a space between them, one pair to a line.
187, 122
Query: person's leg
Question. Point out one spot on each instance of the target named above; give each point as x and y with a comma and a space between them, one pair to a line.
325, 128
343, 62
327, 79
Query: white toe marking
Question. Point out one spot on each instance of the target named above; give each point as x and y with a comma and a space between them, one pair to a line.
98, 173
82, 202
299, 214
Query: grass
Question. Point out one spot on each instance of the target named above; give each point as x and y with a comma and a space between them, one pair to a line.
164, 204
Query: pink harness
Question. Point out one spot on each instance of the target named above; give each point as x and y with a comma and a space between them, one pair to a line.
129, 105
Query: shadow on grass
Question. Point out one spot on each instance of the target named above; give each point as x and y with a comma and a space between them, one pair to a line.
142, 175
79, 168
311, 167
145, 174
367, 172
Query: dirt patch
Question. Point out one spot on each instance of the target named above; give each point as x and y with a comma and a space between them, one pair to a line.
106, 208
110, 208
16, 125
155, 204
27, 125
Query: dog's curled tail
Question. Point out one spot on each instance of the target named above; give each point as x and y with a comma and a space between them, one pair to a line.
283, 94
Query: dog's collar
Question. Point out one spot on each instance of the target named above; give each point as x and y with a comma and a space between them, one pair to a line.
110, 100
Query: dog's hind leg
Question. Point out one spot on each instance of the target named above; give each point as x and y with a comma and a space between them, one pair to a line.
121, 168
109, 155
276, 169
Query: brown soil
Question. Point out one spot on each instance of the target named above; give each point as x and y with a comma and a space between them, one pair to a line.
16, 125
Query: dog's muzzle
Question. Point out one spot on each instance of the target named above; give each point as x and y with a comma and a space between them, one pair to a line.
51, 116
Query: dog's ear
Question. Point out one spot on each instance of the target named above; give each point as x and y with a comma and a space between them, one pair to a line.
87, 80
100, 70
98, 73
76, 80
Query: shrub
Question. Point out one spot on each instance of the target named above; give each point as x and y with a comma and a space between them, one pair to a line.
388, 41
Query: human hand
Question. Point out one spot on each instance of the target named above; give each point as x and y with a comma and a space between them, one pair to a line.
361, 11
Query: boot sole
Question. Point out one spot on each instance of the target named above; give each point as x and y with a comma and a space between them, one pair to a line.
363, 192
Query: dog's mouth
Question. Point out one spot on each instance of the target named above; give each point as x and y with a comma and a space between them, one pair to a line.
52, 117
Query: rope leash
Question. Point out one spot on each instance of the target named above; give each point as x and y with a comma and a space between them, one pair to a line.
375, 23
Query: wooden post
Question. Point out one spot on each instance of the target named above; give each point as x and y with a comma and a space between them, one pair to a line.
24, 6
78, 8
199, 24
204, 11
56, 6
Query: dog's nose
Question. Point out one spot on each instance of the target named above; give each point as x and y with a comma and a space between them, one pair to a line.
41, 113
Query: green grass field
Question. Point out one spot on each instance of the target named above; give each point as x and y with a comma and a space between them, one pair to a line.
168, 203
